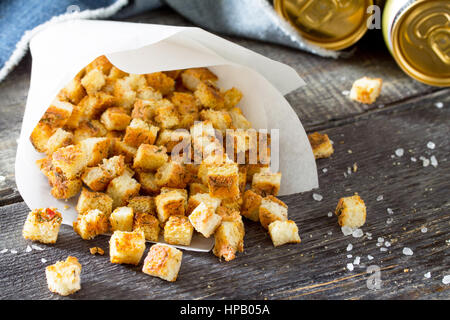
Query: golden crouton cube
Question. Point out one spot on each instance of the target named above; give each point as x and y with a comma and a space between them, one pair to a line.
93, 81
184, 102
163, 261
179, 138
148, 93
121, 189
89, 129
161, 82
60, 138
95, 178
233, 203
205, 220
63, 188
266, 182
172, 175
100, 63
197, 187
223, 180
42, 225
70, 161
351, 212
122, 219
144, 109
139, 132
221, 120
170, 203
178, 231
282, 232
174, 74
89, 200
147, 223
95, 149
136, 81
229, 239
150, 157
232, 97
272, 209
250, 206
143, 204
40, 136
166, 115
209, 95
114, 166
124, 94
148, 182
74, 91
238, 119
63, 277
91, 224
127, 247
116, 73
196, 199
366, 90
115, 119
193, 77
94, 105
57, 113
123, 149
321, 145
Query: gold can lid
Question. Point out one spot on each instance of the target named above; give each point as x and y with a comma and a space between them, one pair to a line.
330, 24
421, 42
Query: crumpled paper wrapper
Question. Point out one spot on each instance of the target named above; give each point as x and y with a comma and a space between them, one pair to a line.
60, 51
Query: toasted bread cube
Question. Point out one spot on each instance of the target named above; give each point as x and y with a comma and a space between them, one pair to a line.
143, 204
150, 157
40, 136
89, 200
70, 161
100, 63
144, 109
93, 81
160, 82
321, 145
172, 175
174, 74
116, 73
196, 199
114, 166
197, 187
63, 188
178, 231
205, 220
229, 239
89, 129
147, 223
351, 212
221, 120
42, 225
238, 119
171, 138
63, 277
366, 90
250, 206
121, 189
95, 178
193, 77
124, 94
148, 93
122, 219
166, 114
96, 149
209, 95
115, 119
136, 81
266, 182
58, 113
272, 209
223, 180
139, 132
91, 224
74, 91
233, 203
123, 149
60, 138
184, 102
127, 247
282, 232
170, 203
232, 97
148, 182
163, 261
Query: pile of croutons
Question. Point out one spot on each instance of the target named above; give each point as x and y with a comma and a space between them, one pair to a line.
150, 154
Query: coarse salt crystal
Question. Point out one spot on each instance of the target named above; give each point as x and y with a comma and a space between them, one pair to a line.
434, 161
43, 260
399, 152
426, 162
439, 105
346, 230
446, 279
35, 247
389, 220
2, 178
357, 260
329, 233
350, 266
349, 247
317, 197
349, 170
383, 249
380, 239
379, 244
13, 251
380, 197
4, 251
349, 256
387, 244
324, 170
357, 233
345, 92
413, 159
427, 275
28, 249
369, 257
424, 229
431, 145
390, 211
407, 251
330, 214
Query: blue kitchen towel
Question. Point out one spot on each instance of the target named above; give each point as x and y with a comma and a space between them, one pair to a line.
21, 19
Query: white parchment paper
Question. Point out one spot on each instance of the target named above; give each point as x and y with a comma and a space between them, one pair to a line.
60, 51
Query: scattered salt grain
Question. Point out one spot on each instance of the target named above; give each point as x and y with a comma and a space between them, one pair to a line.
425, 162
317, 197
446, 279
439, 105
424, 229
43, 260
387, 244
4, 251
13, 251
357, 233
349, 170
389, 221
379, 244
431, 145
324, 170
349, 247
383, 249
35, 247
413, 159
346, 230
357, 260
380, 197
349, 256
350, 267
345, 92
399, 152
28, 249
330, 214
407, 251
2, 179
427, 275
369, 257
329, 233
380, 239
345, 174
389, 211
434, 161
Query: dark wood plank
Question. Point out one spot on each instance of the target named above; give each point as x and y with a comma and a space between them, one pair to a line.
313, 269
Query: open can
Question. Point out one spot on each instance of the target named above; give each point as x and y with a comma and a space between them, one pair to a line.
330, 24
417, 33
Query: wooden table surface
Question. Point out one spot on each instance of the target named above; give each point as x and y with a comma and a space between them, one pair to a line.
405, 116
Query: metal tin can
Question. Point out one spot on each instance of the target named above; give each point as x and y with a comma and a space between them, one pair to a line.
417, 33
330, 24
